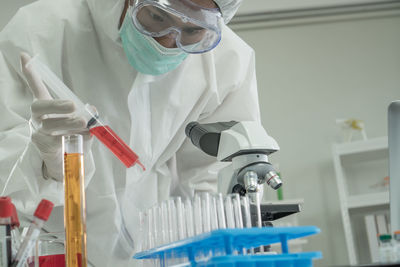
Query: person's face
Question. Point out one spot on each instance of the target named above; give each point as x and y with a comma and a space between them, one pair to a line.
168, 41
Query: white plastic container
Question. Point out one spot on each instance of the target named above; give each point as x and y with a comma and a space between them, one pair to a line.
386, 254
396, 246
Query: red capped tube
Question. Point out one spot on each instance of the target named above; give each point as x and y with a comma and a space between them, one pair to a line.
44, 209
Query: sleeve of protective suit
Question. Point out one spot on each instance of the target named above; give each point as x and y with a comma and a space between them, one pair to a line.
21, 166
198, 171
20, 176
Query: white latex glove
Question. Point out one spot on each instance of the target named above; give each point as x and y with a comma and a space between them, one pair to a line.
52, 118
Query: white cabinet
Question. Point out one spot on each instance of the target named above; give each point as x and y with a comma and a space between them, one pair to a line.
360, 168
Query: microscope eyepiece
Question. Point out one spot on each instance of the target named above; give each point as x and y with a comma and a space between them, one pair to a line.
207, 136
190, 127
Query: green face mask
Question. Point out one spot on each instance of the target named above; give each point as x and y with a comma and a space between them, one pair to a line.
145, 54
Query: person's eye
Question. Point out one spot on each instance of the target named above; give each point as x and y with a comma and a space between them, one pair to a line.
192, 31
156, 17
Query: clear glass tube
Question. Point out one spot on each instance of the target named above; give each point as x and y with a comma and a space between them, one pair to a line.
164, 223
206, 211
156, 225
5, 241
255, 202
220, 211
150, 232
189, 218
172, 221
198, 221
230, 219
245, 204
237, 210
75, 203
29, 242
142, 244
213, 213
180, 212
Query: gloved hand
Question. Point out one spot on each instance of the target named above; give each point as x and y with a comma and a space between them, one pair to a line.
52, 118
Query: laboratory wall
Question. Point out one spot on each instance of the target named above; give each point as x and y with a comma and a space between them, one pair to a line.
310, 73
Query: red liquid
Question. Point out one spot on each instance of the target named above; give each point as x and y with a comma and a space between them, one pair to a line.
55, 261
111, 140
50, 261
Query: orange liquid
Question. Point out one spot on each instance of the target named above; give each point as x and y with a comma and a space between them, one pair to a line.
74, 211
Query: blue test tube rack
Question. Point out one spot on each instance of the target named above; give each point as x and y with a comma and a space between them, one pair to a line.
225, 248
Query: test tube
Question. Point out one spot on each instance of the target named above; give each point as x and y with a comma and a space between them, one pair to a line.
206, 211
220, 211
213, 213
142, 244
75, 204
41, 215
237, 210
164, 223
156, 225
150, 232
189, 218
15, 234
180, 212
6, 211
172, 221
198, 221
244, 201
230, 219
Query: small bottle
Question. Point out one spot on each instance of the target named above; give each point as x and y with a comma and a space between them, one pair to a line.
396, 246
385, 248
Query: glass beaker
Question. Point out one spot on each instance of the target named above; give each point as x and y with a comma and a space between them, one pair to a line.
48, 251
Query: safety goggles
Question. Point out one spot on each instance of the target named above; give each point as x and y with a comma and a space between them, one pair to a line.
195, 29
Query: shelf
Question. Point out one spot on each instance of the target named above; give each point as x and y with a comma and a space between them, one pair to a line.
358, 164
362, 146
368, 200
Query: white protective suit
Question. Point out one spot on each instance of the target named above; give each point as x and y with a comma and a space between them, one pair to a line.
79, 41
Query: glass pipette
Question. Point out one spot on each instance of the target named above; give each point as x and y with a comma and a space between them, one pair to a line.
96, 127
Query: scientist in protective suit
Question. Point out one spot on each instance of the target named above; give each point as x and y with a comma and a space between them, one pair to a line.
149, 67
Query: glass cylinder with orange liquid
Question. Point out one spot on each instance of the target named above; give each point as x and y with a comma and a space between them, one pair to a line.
75, 204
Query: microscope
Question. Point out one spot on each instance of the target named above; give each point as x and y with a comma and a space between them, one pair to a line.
247, 146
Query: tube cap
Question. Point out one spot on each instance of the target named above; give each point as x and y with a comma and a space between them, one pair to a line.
14, 217
6, 207
44, 209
